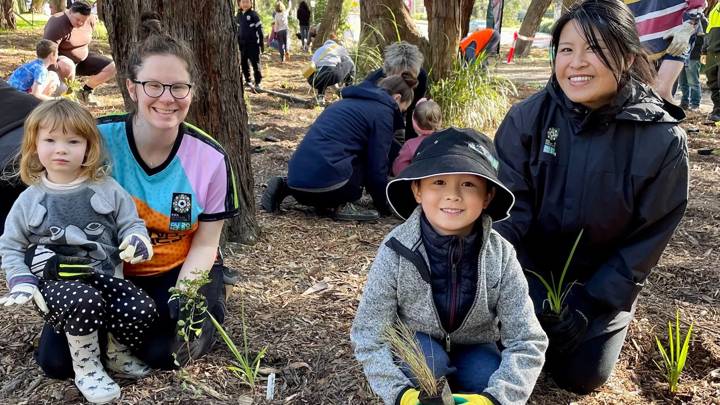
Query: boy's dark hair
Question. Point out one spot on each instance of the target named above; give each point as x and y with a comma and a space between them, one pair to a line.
611, 22
81, 7
400, 84
44, 48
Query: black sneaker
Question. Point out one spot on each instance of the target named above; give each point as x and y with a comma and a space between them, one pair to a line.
274, 194
352, 212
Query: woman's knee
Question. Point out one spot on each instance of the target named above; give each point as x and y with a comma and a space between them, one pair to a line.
581, 381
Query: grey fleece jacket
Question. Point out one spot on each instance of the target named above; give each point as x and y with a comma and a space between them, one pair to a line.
89, 220
502, 311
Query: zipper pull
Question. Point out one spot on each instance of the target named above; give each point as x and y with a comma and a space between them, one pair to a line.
447, 343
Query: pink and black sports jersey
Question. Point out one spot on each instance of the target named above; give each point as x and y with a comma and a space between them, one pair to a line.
195, 183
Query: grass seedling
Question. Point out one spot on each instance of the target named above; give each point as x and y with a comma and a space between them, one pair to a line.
675, 355
556, 293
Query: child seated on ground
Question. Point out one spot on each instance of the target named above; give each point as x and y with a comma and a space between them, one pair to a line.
34, 77
427, 118
450, 278
65, 241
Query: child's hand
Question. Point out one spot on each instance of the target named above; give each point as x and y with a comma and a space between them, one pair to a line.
136, 248
22, 292
472, 399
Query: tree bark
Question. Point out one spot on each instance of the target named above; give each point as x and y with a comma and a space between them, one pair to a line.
444, 31
387, 21
529, 26
218, 107
566, 4
7, 20
466, 9
37, 5
330, 22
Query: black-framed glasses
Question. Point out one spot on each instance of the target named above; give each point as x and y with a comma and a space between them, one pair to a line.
156, 89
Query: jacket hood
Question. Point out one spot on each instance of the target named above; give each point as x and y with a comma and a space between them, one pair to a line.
634, 101
369, 91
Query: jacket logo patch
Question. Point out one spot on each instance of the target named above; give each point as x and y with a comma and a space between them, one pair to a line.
181, 212
551, 141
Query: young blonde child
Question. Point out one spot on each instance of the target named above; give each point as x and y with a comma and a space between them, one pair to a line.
454, 281
65, 240
427, 118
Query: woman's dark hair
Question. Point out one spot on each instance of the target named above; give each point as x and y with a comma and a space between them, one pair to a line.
613, 21
80, 7
153, 41
402, 84
304, 5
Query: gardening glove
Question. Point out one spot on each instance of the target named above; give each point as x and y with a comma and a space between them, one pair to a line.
136, 248
680, 38
565, 330
410, 397
472, 399
21, 293
60, 267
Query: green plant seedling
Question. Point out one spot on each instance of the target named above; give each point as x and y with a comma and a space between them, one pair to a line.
675, 355
285, 107
556, 293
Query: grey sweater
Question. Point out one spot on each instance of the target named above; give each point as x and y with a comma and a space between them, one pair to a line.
502, 311
89, 220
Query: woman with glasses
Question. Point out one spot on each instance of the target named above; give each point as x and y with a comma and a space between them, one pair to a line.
183, 187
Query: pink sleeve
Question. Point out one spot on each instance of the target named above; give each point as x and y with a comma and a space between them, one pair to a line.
403, 159
693, 4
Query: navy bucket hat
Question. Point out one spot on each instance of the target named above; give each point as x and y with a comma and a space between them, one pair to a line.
451, 151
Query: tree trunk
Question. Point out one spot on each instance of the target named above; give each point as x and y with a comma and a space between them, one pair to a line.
7, 20
566, 4
57, 6
466, 9
330, 22
22, 6
37, 5
219, 107
387, 21
444, 31
529, 26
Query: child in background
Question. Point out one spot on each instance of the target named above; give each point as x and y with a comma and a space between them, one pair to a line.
251, 40
427, 118
60, 247
280, 18
34, 77
449, 277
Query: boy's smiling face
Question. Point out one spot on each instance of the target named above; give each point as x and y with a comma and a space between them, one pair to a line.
452, 202
245, 5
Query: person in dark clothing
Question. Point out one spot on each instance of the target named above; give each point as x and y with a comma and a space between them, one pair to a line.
402, 57
599, 151
304, 15
15, 107
346, 150
251, 40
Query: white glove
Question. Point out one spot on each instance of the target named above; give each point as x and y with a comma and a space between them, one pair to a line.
136, 248
22, 293
680, 38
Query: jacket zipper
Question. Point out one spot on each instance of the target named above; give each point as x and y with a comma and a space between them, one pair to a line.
454, 260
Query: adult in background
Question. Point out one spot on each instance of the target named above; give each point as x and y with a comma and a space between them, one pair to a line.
15, 107
597, 150
72, 30
345, 151
665, 28
304, 15
182, 184
402, 57
333, 66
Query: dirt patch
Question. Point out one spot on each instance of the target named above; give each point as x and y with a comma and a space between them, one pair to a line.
301, 283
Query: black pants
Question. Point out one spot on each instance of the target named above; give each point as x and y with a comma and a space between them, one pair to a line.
282, 39
159, 342
590, 366
326, 76
712, 72
349, 192
250, 55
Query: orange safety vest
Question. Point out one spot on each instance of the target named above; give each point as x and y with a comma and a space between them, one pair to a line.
480, 38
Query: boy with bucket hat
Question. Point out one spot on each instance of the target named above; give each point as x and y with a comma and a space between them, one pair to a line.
454, 281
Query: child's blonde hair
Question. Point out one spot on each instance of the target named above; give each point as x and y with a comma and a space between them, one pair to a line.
68, 116
279, 7
427, 115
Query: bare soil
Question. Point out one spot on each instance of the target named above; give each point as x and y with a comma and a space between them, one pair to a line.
300, 284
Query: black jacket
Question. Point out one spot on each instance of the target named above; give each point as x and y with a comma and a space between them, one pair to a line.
249, 29
418, 93
303, 14
619, 172
453, 272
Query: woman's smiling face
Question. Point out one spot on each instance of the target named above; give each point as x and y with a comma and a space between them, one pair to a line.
580, 72
166, 111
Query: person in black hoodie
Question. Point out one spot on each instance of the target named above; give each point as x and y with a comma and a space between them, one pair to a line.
304, 15
345, 151
599, 151
251, 40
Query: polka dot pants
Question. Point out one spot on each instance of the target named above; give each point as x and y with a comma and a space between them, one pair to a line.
102, 302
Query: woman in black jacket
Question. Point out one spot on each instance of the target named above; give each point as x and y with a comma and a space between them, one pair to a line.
304, 15
597, 150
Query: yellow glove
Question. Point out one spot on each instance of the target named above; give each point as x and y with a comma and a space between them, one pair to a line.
410, 397
472, 399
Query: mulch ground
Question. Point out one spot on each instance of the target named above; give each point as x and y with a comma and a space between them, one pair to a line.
301, 282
